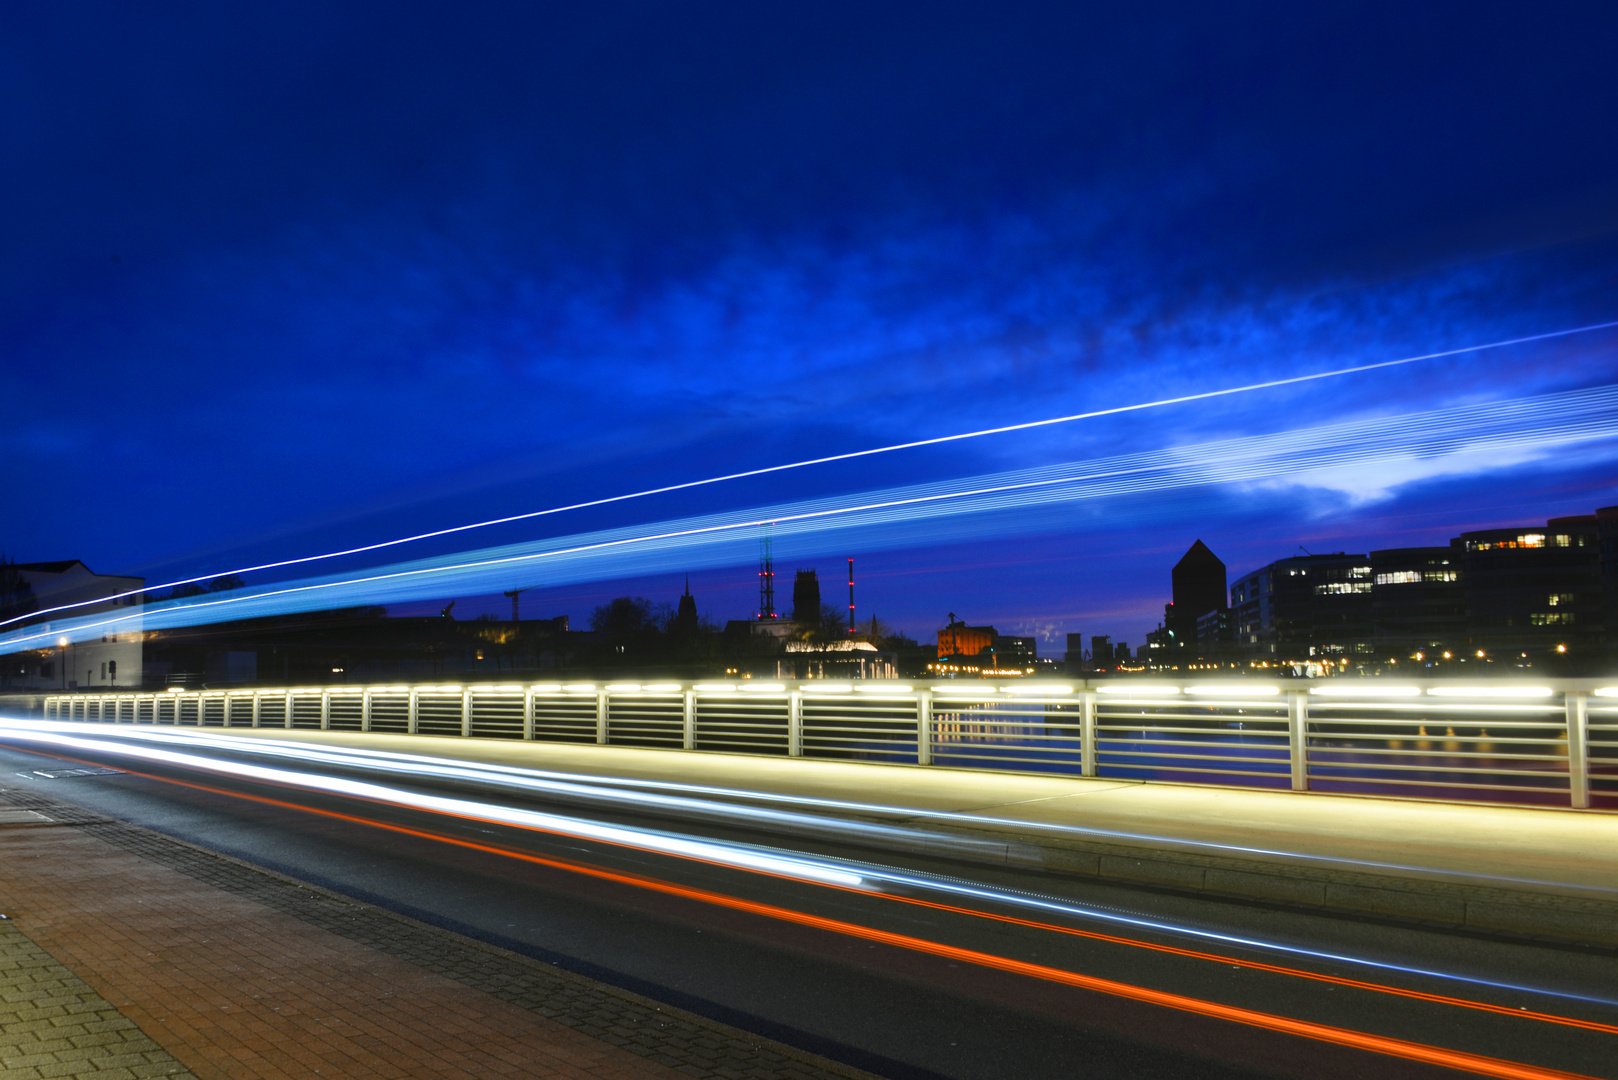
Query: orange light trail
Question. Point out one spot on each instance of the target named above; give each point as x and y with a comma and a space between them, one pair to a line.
1401, 1048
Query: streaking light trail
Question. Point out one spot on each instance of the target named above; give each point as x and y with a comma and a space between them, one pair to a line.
684, 847
1458, 438
865, 875
1380, 1044
638, 793
806, 463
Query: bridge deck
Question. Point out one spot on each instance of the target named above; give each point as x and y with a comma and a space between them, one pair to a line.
1519, 869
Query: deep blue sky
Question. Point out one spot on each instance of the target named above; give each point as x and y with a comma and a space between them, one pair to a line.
275, 279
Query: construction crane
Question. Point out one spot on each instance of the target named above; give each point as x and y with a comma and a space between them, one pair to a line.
514, 593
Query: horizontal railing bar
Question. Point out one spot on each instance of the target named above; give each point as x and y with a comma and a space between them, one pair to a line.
1333, 732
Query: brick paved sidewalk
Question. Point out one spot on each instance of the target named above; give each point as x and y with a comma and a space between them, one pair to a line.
53, 1024
144, 956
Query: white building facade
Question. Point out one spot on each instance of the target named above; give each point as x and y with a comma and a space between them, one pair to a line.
105, 662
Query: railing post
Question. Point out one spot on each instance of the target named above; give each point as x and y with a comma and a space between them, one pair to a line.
325, 710
413, 712
528, 713
794, 723
1087, 732
258, 697
601, 717
924, 727
1578, 748
466, 712
688, 738
286, 715
1298, 738
365, 709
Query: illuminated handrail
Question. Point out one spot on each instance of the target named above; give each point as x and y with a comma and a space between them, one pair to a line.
1548, 741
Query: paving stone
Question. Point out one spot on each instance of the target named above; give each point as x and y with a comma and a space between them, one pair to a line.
367, 1004
41, 1049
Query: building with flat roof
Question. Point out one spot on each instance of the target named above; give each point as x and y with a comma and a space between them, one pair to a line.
106, 661
960, 640
1607, 530
1418, 600
1536, 590
1305, 607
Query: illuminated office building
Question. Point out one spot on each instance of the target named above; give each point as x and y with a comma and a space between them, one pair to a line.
1418, 600
1305, 606
1535, 588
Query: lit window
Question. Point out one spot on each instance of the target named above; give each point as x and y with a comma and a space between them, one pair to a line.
1440, 575
1399, 577
1342, 588
1550, 618
1560, 599
1526, 540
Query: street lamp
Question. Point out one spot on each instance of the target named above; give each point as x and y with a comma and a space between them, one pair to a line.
62, 642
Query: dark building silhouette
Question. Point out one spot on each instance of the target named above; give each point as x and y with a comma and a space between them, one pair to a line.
1418, 599
806, 598
1075, 650
1199, 587
1531, 589
685, 616
1015, 652
1607, 529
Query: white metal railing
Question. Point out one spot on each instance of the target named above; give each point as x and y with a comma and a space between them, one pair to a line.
1550, 742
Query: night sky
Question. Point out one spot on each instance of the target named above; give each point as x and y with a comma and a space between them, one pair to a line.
283, 278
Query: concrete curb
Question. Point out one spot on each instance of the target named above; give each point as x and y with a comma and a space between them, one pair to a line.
1426, 899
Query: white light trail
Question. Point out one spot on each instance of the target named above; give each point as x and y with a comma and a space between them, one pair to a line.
636, 795
684, 847
808, 462
1529, 426
636, 792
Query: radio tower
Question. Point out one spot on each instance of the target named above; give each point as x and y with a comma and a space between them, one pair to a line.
851, 596
766, 576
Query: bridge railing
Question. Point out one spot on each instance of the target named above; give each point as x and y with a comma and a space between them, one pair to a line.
1550, 742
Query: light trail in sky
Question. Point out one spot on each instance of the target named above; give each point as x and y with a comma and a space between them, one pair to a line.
1466, 437
853, 454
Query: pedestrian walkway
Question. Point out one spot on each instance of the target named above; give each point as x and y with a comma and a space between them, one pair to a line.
129, 954
53, 1024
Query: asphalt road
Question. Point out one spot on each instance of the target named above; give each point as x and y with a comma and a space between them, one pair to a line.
904, 982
